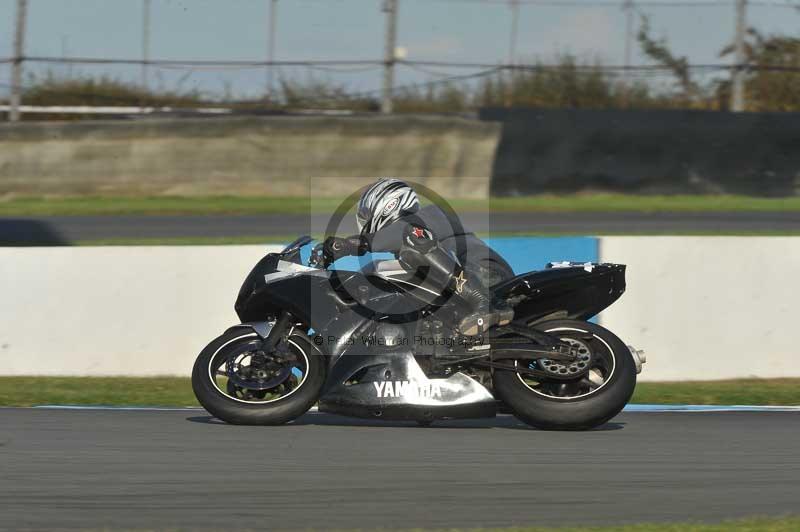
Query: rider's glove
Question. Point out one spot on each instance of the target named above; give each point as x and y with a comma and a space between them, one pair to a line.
336, 247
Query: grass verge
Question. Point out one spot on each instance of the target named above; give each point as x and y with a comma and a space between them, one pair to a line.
177, 391
272, 239
189, 241
118, 205
112, 391
773, 392
740, 525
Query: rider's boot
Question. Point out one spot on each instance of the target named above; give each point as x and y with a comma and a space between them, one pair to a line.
485, 312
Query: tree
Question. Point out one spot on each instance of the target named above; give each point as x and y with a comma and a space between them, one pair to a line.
773, 79
658, 51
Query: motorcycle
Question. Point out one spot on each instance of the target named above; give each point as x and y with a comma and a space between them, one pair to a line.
368, 344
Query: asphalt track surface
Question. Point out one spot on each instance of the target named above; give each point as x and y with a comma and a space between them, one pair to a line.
54, 230
154, 469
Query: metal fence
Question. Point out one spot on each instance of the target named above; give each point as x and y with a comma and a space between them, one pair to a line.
391, 59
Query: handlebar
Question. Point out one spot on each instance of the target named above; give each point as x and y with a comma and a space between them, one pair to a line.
319, 259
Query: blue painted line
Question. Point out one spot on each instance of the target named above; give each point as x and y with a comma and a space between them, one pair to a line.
526, 254
709, 408
132, 408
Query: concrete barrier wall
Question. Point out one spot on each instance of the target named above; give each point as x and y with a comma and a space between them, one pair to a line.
709, 307
704, 307
116, 310
238, 156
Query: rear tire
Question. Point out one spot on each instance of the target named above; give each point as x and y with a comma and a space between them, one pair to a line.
237, 412
572, 413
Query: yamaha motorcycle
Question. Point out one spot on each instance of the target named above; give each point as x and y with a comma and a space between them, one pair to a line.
366, 344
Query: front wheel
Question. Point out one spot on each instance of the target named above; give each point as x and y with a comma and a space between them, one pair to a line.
239, 383
578, 396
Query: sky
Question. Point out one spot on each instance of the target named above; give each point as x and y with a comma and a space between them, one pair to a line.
446, 30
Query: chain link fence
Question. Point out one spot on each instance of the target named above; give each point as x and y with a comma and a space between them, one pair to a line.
649, 74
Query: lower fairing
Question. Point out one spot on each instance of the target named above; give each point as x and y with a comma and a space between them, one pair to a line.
393, 386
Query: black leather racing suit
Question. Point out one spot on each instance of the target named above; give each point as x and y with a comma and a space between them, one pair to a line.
443, 256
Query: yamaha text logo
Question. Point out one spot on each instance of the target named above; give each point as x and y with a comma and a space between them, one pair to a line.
408, 389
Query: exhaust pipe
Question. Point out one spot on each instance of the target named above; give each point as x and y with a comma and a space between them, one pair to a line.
639, 358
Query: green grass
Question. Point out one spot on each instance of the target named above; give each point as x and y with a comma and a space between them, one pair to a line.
90, 205
177, 391
643, 203
117, 205
759, 524
188, 241
788, 524
272, 239
116, 391
777, 392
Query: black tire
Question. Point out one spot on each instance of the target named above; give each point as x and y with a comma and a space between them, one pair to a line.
230, 410
575, 413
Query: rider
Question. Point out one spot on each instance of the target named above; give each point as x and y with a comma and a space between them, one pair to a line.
431, 243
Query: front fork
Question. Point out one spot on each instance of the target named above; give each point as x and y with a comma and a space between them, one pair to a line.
270, 333
278, 330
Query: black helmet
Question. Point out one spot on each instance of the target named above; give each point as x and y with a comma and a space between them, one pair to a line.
383, 203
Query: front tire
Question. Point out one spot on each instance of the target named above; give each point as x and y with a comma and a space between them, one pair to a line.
250, 409
538, 405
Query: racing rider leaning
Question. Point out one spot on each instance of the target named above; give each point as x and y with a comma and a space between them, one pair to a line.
424, 240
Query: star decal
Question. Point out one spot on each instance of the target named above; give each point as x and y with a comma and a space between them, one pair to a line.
460, 282
418, 232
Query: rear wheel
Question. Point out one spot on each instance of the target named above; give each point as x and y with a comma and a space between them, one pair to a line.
239, 383
579, 395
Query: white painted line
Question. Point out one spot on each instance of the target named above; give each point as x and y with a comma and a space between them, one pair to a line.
629, 408
113, 110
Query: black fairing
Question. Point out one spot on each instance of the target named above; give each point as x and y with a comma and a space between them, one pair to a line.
304, 296
574, 292
328, 301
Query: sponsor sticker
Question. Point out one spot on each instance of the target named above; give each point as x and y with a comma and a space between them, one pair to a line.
392, 205
460, 282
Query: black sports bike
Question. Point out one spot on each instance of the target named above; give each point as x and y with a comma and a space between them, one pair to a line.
368, 343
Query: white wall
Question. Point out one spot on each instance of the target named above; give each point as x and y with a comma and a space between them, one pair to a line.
142, 310
709, 307
704, 307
